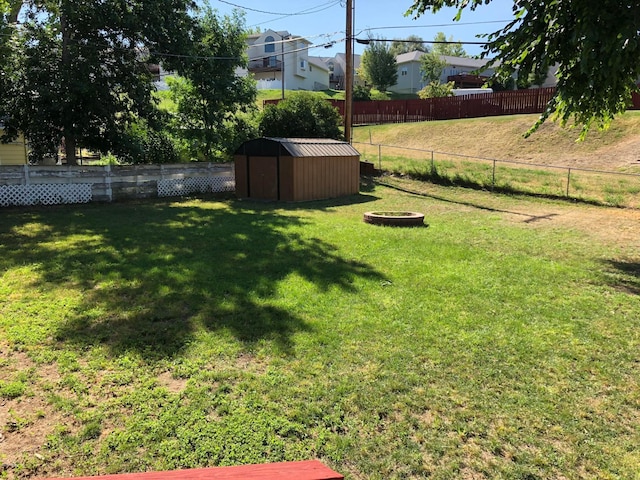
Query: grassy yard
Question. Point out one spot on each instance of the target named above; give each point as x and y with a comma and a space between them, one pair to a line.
200, 332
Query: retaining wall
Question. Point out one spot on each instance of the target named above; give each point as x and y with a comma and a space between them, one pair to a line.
49, 185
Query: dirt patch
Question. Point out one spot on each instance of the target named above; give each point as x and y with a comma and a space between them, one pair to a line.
27, 421
172, 384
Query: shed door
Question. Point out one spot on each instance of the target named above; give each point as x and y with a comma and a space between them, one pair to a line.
263, 178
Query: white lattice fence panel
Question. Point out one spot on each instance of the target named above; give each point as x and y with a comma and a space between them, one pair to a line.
185, 186
44, 194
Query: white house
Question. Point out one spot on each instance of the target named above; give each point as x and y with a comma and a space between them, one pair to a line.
410, 72
277, 56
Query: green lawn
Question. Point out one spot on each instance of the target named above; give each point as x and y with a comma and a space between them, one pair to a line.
170, 334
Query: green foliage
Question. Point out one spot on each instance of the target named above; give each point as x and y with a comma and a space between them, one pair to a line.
301, 114
143, 144
78, 70
431, 66
210, 97
595, 45
378, 65
437, 89
11, 390
454, 49
413, 43
361, 92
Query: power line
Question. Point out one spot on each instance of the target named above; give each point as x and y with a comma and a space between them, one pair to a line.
331, 5
302, 12
435, 25
367, 41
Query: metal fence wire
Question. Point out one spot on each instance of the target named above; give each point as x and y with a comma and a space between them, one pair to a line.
597, 186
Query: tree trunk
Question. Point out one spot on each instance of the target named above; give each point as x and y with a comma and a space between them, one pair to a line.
67, 129
14, 11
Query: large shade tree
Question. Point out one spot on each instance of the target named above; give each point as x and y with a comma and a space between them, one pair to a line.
378, 65
209, 95
79, 71
413, 43
596, 46
447, 46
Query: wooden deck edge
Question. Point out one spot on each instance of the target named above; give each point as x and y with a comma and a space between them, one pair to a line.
302, 470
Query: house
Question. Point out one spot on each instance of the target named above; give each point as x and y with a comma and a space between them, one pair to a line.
13, 153
275, 56
460, 70
337, 66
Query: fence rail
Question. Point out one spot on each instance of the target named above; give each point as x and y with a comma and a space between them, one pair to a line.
511, 102
49, 185
597, 186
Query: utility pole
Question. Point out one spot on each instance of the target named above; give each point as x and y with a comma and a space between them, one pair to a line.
348, 86
282, 66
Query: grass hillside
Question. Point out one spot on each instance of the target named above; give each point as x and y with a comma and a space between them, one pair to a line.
617, 148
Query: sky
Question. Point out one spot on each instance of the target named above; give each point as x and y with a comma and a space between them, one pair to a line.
324, 21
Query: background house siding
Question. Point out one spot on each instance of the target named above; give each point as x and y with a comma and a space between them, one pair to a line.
13, 153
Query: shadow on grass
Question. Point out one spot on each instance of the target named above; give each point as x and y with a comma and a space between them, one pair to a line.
462, 181
154, 274
626, 276
529, 218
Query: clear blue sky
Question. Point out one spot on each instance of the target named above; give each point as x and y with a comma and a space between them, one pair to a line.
322, 21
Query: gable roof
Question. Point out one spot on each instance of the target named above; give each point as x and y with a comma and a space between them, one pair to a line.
318, 62
474, 63
409, 57
298, 147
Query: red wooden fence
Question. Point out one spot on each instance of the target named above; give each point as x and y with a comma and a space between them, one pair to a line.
304, 470
511, 102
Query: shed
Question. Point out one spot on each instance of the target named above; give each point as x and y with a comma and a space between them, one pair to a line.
296, 169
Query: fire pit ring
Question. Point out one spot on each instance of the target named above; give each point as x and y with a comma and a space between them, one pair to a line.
395, 219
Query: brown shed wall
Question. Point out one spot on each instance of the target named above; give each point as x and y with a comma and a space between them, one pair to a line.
316, 178
240, 167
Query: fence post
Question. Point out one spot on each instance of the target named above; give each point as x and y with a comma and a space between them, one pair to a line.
433, 163
568, 180
380, 157
107, 178
493, 175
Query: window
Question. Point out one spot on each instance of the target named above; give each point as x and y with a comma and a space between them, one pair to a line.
269, 45
303, 64
272, 61
404, 72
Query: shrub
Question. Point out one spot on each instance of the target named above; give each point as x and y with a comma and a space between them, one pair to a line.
361, 93
302, 115
437, 89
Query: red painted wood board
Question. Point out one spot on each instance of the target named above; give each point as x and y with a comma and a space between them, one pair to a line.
304, 470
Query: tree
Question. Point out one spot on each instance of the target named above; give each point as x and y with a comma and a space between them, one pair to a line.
378, 65
211, 95
453, 49
595, 45
302, 115
431, 66
412, 43
81, 76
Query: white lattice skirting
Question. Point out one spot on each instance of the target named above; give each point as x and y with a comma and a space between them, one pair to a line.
44, 194
186, 186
